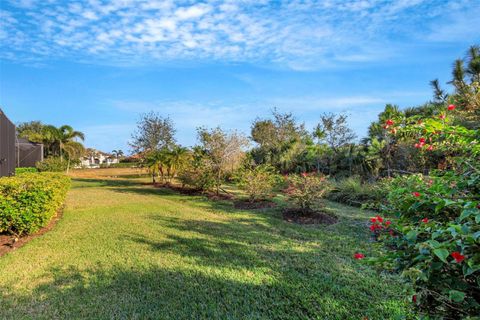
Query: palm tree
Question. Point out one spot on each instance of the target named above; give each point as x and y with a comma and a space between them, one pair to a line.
68, 135
74, 150
117, 153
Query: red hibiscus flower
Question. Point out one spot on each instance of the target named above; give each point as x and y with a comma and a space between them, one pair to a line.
373, 220
457, 256
372, 227
451, 107
421, 140
417, 145
380, 219
359, 256
442, 116
416, 194
425, 220
388, 222
389, 122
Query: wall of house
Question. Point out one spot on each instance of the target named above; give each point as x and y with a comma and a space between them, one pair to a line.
7, 146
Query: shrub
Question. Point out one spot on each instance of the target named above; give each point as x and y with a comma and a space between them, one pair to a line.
29, 201
306, 191
25, 170
257, 182
435, 241
52, 164
121, 165
197, 178
353, 192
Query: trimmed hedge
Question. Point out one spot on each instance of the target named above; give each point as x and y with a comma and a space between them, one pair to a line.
25, 170
29, 201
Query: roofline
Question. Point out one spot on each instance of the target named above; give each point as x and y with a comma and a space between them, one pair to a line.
1, 112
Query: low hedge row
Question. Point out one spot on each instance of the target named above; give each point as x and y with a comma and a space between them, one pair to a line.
25, 170
29, 201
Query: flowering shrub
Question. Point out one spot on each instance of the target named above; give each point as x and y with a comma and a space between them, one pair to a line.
306, 191
435, 240
257, 182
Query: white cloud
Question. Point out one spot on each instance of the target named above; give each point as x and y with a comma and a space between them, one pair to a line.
301, 35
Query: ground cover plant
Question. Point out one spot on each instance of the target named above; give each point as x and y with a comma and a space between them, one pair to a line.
144, 252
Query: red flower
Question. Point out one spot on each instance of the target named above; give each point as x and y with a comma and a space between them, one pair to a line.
304, 175
373, 220
451, 107
442, 116
372, 227
414, 298
425, 220
359, 256
416, 194
417, 145
422, 140
389, 122
457, 256
380, 219
388, 222
430, 147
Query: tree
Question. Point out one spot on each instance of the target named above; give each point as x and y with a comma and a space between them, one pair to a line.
222, 151
117, 153
153, 133
333, 131
280, 141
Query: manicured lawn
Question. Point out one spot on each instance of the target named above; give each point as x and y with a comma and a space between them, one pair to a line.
126, 250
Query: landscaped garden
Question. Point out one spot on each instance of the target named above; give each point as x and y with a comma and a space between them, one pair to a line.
303, 225
124, 249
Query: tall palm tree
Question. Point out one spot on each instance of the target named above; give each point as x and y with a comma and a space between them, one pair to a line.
73, 150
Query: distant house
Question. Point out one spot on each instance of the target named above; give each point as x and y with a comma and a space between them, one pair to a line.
7, 146
95, 159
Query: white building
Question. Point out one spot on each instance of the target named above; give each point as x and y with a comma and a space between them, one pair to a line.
95, 158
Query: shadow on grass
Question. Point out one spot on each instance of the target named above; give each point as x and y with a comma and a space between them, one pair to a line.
156, 293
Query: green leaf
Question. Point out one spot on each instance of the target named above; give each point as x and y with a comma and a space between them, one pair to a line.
442, 254
466, 213
412, 235
456, 296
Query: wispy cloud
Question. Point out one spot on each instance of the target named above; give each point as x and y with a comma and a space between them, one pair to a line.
300, 35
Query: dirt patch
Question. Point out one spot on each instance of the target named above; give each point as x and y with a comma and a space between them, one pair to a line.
310, 217
247, 205
9, 242
221, 196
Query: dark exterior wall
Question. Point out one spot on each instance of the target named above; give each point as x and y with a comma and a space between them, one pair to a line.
28, 153
7, 146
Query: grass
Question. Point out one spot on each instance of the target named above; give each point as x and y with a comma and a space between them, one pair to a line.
129, 251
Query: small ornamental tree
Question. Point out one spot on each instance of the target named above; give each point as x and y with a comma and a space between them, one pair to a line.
307, 191
257, 182
435, 241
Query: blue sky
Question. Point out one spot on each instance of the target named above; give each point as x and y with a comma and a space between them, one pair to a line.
97, 65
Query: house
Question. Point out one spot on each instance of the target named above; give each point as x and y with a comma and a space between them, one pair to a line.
95, 158
7, 146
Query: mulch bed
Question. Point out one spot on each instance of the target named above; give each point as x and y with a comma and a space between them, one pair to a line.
247, 205
311, 217
9, 242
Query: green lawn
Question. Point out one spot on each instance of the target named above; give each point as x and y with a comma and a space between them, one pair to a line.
127, 251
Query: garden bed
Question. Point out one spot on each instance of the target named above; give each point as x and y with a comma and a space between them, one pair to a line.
10, 242
310, 217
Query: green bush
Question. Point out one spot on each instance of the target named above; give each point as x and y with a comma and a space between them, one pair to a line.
307, 191
25, 170
52, 164
30, 200
434, 242
197, 178
353, 192
258, 182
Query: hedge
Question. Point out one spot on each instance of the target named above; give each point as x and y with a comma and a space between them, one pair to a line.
25, 170
29, 201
